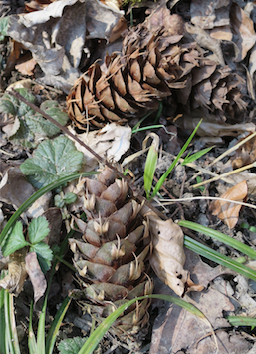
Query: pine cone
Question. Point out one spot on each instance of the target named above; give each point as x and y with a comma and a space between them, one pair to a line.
112, 257
160, 59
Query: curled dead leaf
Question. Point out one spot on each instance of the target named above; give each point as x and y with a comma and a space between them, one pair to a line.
17, 273
245, 155
228, 212
36, 275
168, 257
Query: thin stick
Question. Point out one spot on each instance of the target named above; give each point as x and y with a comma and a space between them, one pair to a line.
224, 175
183, 200
65, 130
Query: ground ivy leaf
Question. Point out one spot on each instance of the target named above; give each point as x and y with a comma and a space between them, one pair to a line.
41, 126
44, 255
53, 159
9, 104
71, 345
23, 107
38, 229
23, 136
14, 241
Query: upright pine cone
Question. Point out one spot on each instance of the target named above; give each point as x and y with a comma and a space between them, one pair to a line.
112, 256
160, 59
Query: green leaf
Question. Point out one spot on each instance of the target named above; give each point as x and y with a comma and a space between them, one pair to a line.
70, 198
53, 159
52, 109
196, 156
71, 345
9, 104
23, 136
38, 229
41, 126
44, 255
58, 201
4, 23
23, 107
14, 241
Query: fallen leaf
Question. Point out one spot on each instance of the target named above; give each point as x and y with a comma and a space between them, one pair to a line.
168, 257
26, 67
36, 275
176, 328
245, 155
206, 41
111, 142
54, 218
13, 57
17, 273
243, 29
208, 14
228, 212
57, 49
14, 187
208, 128
252, 62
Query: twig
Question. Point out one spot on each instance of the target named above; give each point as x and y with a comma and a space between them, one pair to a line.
65, 130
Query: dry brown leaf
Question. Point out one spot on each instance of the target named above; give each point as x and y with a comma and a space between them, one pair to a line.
252, 61
14, 187
36, 275
243, 29
57, 49
168, 257
208, 14
176, 328
245, 155
17, 273
111, 142
208, 128
228, 212
26, 67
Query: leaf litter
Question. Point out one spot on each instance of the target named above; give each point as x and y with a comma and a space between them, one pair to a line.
215, 28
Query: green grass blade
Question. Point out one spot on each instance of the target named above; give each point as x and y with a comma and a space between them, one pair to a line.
241, 321
41, 328
150, 166
34, 197
183, 149
240, 246
55, 326
2, 319
218, 258
148, 127
196, 156
8, 329
32, 346
15, 339
99, 333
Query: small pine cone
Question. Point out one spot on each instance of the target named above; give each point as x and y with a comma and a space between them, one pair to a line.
159, 60
112, 256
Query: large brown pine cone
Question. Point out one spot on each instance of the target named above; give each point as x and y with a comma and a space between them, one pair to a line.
160, 59
112, 256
